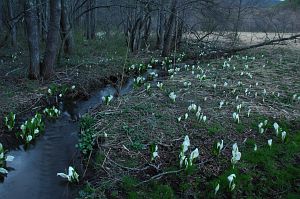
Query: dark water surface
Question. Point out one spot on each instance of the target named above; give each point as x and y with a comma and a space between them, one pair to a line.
33, 172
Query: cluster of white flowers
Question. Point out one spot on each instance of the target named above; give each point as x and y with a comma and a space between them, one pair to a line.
187, 84
188, 162
278, 130
139, 81
160, 85
31, 128
51, 112
236, 117
200, 115
152, 75
262, 127
107, 99
192, 107
10, 120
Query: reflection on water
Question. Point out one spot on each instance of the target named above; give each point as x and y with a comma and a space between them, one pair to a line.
33, 172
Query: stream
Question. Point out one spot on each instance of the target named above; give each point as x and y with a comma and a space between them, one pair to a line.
32, 174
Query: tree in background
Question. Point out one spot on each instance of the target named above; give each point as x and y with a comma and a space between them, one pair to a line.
31, 19
52, 43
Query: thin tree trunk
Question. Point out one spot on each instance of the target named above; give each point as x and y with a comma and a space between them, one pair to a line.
147, 27
31, 20
1, 16
93, 20
13, 29
160, 30
88, 20
52, 44
45, 20
169, 32
67, 33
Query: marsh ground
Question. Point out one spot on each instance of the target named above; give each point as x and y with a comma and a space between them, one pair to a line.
264, 80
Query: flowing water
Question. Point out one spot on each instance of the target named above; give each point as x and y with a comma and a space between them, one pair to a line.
33, 172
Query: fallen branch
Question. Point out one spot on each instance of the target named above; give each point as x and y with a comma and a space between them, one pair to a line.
266, 43
235, 50
159, 176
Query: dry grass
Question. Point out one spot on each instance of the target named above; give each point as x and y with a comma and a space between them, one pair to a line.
135, 121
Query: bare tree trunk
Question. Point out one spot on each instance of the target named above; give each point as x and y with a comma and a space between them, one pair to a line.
237, 24
67, 33
170, 29
93, 20
177, 37
31, 20
45, 20
90, 20
147, 26
13, 29
52, 44
160, 30
1, 16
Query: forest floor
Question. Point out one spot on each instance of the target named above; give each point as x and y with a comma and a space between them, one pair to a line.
92, 65
119, 166
265, 81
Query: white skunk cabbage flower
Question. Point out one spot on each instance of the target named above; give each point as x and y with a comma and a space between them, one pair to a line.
159, 85
236, 117
72, 175
248, 113
193, 155
231, 181
3, 171
255, 147
192, 107
186, 115
236, 155
221, 104
239, 107
172, 96
260, 128
184, 147
9, 158
204, 118
29, 138
270, 142
220, 146
276, 127
107, 99
283, 136
154, 153
186, 143
217, 188
179, 119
